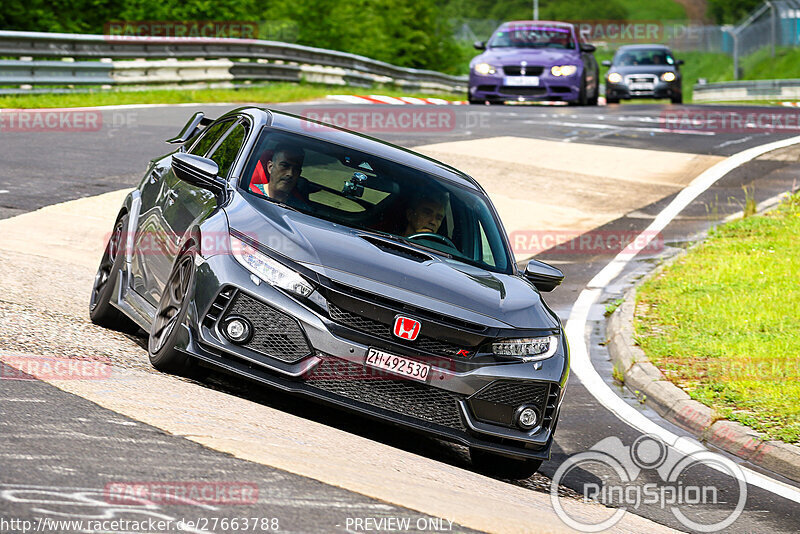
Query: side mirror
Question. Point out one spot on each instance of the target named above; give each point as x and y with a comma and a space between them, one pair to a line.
479, 45
679, 62
586, 47
606, 63
545, 277
198, 171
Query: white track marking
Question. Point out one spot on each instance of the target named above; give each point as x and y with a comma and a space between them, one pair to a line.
576, 328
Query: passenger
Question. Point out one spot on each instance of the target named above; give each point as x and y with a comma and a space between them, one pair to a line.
426, 213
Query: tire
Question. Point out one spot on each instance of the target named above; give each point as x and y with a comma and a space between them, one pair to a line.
593, 101
101, 311
170, 314
503, 467
677, 99
612, 100
582, 97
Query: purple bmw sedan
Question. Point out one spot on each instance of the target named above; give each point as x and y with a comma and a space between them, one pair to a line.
534, 60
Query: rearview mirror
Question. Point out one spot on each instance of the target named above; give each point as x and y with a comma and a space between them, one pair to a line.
586, 47
198, 171
607, 63
479, 45
544, 276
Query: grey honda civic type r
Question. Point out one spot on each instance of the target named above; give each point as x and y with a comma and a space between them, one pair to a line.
339, 267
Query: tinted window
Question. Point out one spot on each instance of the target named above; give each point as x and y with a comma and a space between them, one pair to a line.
367, 192
532, 36
209, 137
225, 153
657, 56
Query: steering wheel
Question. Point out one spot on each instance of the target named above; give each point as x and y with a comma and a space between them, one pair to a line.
433, 237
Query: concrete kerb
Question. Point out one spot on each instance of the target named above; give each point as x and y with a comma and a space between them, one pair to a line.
649, 384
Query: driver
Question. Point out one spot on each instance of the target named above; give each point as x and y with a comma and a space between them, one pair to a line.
284, 170
426, 213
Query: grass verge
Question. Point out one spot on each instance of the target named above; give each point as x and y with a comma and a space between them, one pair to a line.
272, 93
722, 322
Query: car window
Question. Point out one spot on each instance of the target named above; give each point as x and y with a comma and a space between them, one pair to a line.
366, 192
532, 36
209, 137
226, 151
647, 57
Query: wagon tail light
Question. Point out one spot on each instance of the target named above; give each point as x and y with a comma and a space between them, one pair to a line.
268, 269
527, 349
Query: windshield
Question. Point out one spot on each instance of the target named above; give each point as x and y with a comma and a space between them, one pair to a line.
655, 56
532, 37
366, 192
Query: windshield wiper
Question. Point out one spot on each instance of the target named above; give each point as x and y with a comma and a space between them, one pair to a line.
405, 241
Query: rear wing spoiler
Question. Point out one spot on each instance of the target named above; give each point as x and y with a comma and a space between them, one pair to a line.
195, 124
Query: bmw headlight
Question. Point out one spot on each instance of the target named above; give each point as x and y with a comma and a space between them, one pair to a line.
484, 68
668, 76
563, 70
269, 270
527, 349
614, 77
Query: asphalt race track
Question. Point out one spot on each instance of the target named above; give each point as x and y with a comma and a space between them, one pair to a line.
58, 450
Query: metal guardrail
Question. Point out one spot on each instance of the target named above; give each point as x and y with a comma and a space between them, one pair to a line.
747, 90
168, 60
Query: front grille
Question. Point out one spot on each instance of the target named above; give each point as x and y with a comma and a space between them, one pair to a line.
487, 88
275, 334
523, 91
401, 396
514, 393
218, 306
384, 331
516, 70
497, 402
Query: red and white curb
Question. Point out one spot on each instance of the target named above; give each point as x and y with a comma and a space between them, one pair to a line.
791, 104
402, 100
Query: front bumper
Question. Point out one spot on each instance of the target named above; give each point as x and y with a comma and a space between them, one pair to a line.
469, 405
661, 89
492, 88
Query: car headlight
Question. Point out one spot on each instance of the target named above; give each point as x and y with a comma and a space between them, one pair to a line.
668, 76
269, 270
614, 77
563, 70
527, 349
484, 68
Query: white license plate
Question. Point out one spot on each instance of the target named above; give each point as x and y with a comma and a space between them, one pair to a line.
642, 87
398, 365
521, 80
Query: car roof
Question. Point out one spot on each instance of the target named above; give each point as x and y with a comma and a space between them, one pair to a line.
541, 22
364, 143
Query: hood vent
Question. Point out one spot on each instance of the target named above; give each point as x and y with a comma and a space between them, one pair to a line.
397, 249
